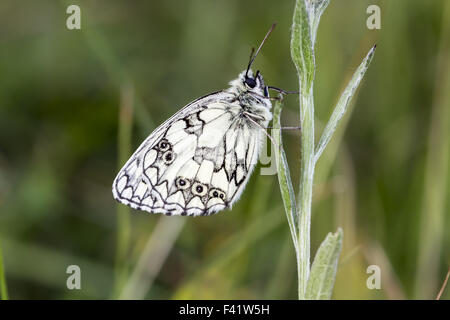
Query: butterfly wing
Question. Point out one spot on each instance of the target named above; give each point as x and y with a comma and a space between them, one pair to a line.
196, 163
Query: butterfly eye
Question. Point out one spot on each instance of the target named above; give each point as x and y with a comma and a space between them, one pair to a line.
199, 189
164, 145
182, 183
250, 82
168, 157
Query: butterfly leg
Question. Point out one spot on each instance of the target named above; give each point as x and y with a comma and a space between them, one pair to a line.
249, 116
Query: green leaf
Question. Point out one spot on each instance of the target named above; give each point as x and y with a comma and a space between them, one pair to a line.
315, 9
343, 103
3, 287
302, 51
284, 178
323, 270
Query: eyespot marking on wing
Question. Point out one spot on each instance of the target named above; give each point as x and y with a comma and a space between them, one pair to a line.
196, 163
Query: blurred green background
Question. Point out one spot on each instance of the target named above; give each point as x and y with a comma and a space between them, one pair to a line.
75, 104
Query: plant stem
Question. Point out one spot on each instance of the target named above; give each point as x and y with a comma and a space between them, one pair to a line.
432, 226
306, 184
123, 214
306, 18
302, 53
3, 287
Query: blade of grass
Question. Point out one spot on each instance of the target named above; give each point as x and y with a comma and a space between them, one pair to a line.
375, 254
231, 248
436, 174
444, 284
123, 212
153, 257
3, 287
341, 106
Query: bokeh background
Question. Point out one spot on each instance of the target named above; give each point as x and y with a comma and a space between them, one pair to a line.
75, 104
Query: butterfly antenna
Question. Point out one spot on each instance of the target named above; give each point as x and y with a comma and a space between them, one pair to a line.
251, 53
252, 57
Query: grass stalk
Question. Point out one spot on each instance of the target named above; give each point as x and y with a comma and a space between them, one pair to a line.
432, 226
123, 213
444, 284
3, 286
227, 251
155, 253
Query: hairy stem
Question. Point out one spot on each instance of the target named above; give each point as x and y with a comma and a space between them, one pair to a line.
305, 190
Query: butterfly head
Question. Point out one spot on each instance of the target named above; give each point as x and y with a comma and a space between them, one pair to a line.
249, 82
254, 83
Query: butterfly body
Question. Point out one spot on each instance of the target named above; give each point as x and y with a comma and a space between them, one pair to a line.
199, 161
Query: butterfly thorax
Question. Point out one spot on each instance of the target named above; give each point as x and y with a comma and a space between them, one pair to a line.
253, 99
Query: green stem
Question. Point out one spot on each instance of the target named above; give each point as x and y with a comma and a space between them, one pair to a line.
302, 53
3, 287
432, 227
305, 191
123, 214
306, 18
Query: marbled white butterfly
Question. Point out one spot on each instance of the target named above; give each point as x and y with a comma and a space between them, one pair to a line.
199, 161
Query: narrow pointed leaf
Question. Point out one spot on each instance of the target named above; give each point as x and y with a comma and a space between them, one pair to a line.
315, 9
301, 45
343, 103
284, 178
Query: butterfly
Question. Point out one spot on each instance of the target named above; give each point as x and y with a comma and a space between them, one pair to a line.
199, 161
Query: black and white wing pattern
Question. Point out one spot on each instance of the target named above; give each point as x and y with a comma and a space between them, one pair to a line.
196, 163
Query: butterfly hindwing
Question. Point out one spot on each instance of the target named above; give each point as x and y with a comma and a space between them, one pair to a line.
196, 163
